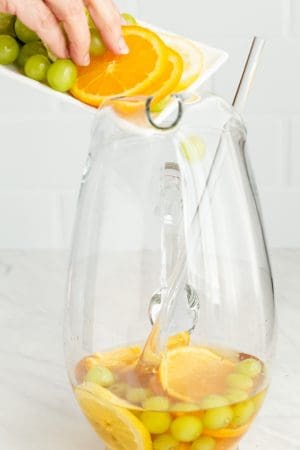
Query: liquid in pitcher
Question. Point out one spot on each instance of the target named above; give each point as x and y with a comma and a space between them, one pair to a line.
191, 397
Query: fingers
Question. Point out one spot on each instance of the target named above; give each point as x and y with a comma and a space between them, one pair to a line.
108, 20
72, 14
38, 17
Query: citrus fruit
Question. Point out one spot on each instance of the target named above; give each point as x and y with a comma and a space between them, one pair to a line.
105, 395
227, 432
160, 89
167, 82
117, 427
118, 359
189, 373
179, 340
193, 58
124, 75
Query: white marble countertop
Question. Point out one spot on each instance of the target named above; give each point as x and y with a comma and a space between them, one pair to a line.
37, 408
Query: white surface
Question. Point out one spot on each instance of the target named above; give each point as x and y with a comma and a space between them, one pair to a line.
32, 175
38, 411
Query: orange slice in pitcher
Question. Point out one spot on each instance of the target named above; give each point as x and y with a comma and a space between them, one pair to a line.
189, 373
227, 432
118, 359
123, 75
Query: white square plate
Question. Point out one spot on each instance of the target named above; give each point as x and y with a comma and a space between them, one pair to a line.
214, 59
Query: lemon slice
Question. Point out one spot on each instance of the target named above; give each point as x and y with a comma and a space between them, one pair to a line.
118, 428
193, 59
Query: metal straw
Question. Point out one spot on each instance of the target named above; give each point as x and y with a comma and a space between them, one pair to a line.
248, 74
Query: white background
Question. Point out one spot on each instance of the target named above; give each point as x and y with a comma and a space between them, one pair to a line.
43, 143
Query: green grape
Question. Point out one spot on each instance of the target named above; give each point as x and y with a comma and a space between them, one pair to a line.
28, 50
185, 407
156, 422
97, 46
235, 395
62, 75
130, 20
239, 381
36, 67
24, 33
193, 148
217, 418
7, 22
9, 49
242, 413
165, 442
119, 389
160, 106
100, 375
137, 395
213, 401
204, 443
186, 428
156, 403
250, 367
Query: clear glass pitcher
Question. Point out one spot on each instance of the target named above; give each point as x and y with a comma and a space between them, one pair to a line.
169, 325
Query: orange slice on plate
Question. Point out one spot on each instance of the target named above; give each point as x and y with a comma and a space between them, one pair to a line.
160, 89
192, 55
189, 373
124, 75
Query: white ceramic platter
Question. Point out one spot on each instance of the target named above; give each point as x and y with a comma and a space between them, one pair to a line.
214, 59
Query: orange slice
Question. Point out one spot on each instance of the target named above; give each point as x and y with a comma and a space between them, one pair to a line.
192, 55
189, 373
161, 88
118, 359
227, 432
179, 340
125, 75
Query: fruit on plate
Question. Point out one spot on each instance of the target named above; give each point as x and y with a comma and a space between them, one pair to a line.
9, 49
192, 55
127, 75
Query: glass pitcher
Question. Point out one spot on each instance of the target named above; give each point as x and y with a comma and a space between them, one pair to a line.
169, 326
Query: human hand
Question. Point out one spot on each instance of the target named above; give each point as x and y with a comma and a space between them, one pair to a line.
44, 18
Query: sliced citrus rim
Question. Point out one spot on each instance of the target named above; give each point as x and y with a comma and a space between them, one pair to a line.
191, 372
118, 359
118, 428
159, 90
193, 59
181, 339
227, 432
109, 75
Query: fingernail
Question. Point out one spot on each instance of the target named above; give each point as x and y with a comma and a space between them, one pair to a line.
123, 47
86, 60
